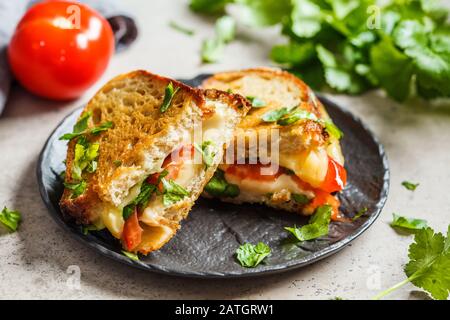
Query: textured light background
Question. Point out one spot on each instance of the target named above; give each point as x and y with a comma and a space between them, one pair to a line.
35, 260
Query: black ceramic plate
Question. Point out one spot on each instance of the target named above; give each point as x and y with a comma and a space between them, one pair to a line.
206, 243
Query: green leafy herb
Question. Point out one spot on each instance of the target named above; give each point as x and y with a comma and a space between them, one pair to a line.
181, 29
300, 198
250, 255
81, 127
212, 49
429, 264
408, 223
333, 130
103, 127
409, 185
77, 188
208, 152
117, 163
219, 187
170, 92
402, 47
141, 201
85, 158
256, 102
130, 255
295, 116
173, 192
276, 114
318, 225
87, 228
10, 219
359, 214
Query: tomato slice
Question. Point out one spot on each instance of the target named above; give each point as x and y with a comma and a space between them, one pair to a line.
172, 164
254, 171
336, 177
132, 232
324, 198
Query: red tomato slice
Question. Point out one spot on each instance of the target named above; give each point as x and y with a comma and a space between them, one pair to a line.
336, 177
132, 232
172, 164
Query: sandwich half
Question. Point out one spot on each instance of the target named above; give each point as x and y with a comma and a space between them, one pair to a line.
286, 152
141, 153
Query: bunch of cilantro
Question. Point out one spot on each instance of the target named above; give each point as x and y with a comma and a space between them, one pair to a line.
352, 46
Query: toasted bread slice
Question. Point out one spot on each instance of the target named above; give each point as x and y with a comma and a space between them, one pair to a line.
143, 144
302, 149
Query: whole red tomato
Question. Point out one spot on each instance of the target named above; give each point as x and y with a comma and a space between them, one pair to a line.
60, 48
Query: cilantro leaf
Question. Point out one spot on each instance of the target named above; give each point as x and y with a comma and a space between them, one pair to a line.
130, 255
393, 69
180, 28
225, 29
169, 93
141, 201
212, 50
77, 188
209, 6
10, 219
256, 102
173, 192
306, 18
359, 214
276, 114
409, 185
300, 198
85, 158
293, 53
318, 225
250, 255
80, 126
219, 187
103, 127
429, 264
264, 12
295, 116
407, 223
208, 152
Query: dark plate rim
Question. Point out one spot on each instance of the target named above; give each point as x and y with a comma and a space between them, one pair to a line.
89, 240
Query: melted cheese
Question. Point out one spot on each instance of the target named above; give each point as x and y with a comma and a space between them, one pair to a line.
216, 129
261, 188
310, 166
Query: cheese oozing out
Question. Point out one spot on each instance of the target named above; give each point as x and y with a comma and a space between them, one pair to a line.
217, 129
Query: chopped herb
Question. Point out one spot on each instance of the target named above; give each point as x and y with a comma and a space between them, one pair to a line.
81, 127
333, 130
224, 32
173, 192
208, 151
318, 225
141, 201
429, 264
103, 127
256, 102
170, 92
85, 158
219, 187
62, 175
300, 198
229, 90
77, 188
181, 29
408, 223
250, 255
296, 116
117, 163
10, 219
87, 228
276, 114
130, 255
409, 185
359, 214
